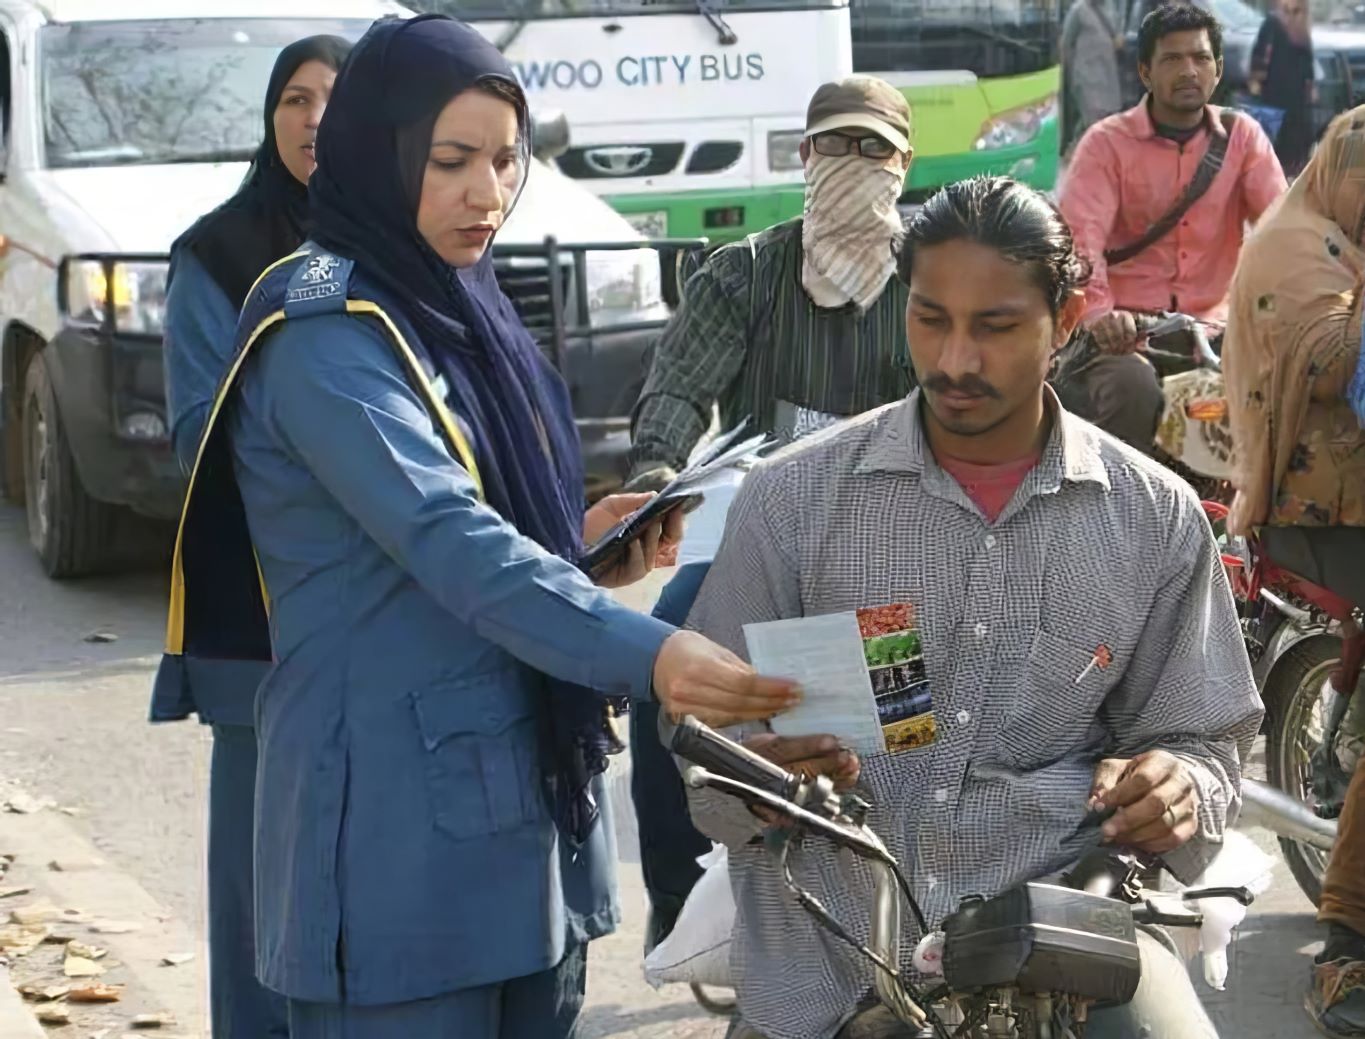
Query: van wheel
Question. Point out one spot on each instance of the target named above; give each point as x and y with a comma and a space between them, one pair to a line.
70, 531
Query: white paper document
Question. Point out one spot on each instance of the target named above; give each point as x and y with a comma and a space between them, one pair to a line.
706, 525
825, 655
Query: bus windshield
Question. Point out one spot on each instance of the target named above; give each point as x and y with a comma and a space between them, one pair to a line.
532, 10
988, 37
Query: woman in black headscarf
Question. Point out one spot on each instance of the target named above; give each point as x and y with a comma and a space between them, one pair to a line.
213, 266
433, 843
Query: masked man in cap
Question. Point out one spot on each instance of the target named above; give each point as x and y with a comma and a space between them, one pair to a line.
792, 328
800, 324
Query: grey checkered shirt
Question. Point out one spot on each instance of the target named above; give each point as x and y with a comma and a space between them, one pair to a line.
1099, 547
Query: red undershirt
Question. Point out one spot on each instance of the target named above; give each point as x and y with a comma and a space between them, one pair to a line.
989, 486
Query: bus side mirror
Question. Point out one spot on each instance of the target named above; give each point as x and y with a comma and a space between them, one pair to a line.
549, 135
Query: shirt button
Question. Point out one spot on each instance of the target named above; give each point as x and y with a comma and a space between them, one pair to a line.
931, 882
941, 795
980, 631
990, 540
963, 717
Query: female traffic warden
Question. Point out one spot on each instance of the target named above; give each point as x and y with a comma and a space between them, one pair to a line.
430, 848
213, 265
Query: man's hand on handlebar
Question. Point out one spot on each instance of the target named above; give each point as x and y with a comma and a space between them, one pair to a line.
1155, 797
809, 756
1115, 332
693, 675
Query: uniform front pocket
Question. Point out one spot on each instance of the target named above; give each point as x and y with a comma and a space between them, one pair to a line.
481, 738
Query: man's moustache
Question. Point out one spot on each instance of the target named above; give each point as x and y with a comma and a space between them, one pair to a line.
968, 385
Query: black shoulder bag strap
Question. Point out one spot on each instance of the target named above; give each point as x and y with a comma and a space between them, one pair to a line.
1195, 190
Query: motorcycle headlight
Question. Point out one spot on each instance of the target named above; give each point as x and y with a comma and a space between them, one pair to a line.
1017, 126
784, 150
621, 285
137, 295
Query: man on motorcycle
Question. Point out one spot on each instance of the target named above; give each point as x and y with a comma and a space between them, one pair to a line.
1158, 198
1069, 633
799, 324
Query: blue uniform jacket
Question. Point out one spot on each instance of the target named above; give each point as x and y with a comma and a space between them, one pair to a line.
201, 327
404, 846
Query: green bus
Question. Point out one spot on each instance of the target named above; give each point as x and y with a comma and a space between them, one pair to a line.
983, 79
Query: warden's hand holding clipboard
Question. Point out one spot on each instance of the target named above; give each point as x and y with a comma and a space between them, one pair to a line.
685, 493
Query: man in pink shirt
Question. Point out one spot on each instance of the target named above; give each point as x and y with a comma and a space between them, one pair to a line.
1128, 173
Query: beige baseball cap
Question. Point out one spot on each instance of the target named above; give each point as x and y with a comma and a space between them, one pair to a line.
865, 102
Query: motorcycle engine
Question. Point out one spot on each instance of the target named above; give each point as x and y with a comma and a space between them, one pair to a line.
1042, 938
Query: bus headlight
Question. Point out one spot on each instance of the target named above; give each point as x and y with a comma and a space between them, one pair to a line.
136, 294
784, 150
1017, 126
622, 284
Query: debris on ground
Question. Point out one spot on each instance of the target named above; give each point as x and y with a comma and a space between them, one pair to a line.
43, 993
23, 804
89, 952
35, 913
114, 927
54, 1014
97, 994
144, 1021
15, 892
74, 865
177, 959
80, 967
101, 637
22, 939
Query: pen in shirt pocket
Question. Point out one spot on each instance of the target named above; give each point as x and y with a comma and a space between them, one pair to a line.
1101, 659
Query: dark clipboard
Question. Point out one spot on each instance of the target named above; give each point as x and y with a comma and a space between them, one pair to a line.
606, 553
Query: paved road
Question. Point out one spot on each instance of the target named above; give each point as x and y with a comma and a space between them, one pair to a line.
72, 731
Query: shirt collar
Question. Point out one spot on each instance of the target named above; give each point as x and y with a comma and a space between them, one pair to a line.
1071, 455
1142, 125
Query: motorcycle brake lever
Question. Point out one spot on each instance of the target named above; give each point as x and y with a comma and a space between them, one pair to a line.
1152, 915
1239, 894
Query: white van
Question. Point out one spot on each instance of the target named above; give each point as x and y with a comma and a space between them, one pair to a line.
122, 123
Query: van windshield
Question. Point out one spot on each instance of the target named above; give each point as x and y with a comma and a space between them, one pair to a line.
174, 90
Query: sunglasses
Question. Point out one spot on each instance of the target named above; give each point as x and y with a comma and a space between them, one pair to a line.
836, 145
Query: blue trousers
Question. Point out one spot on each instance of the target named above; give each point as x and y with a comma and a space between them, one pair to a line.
669, 843
240, 1006
540, 1006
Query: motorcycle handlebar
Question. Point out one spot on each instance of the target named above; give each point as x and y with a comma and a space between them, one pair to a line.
702, 745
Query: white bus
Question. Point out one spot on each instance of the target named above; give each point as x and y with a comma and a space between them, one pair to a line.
686, 115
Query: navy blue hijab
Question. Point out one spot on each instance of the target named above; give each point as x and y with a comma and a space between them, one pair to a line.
373, 146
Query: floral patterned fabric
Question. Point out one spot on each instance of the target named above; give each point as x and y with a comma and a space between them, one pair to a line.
1292, 343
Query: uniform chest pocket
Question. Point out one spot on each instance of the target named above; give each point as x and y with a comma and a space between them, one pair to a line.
1055, 709
481, 741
